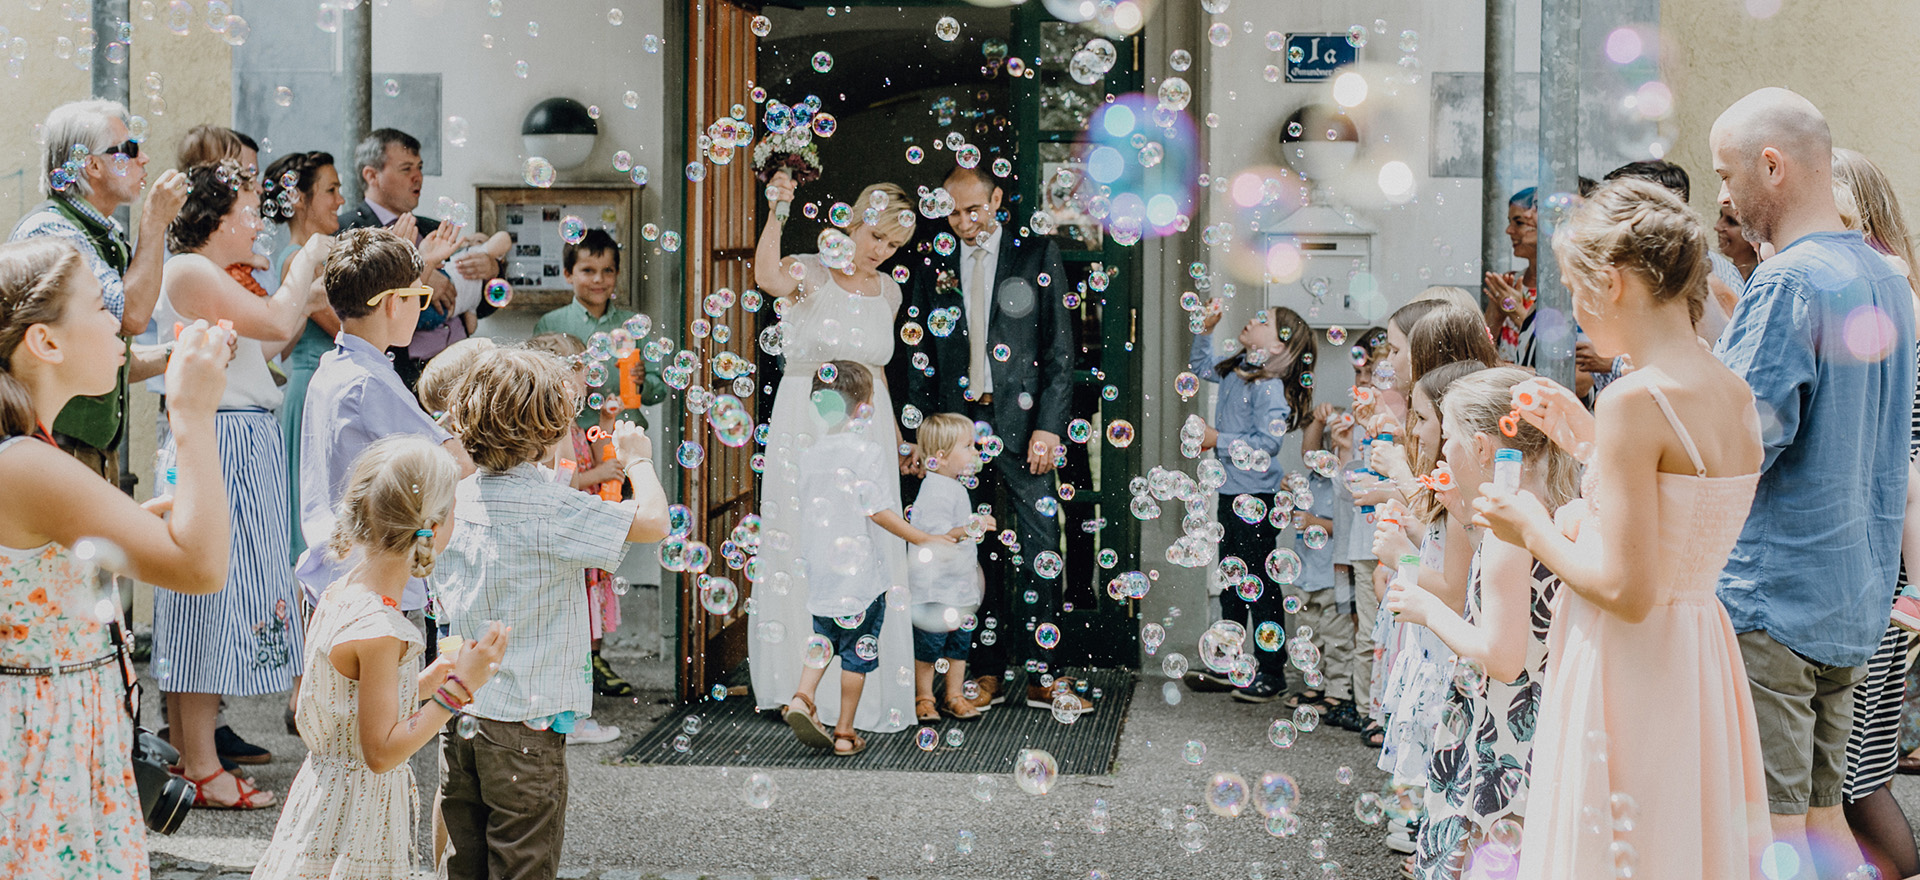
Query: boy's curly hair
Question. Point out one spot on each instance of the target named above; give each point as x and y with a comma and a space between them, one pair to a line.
513, 407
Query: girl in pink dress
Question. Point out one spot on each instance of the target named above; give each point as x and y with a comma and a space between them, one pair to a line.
1647, 753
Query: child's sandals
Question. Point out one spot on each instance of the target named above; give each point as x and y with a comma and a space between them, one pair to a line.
925, 710
806, 723
855, 743
962, 709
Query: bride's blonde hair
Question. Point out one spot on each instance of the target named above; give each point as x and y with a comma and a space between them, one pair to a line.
886, 206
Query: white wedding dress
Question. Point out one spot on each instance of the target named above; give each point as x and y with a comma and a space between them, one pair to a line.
827, 322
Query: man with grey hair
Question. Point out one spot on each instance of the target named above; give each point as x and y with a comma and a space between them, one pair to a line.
388, 162
92, 167
1810, 583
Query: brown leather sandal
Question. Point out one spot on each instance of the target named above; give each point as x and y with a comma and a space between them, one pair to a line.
925, 710
806, 723
961, 709
855, 743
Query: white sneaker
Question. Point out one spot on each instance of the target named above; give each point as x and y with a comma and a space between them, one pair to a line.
1400, 837
588, 732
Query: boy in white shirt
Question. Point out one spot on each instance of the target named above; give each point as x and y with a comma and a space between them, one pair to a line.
946, 582
844, 529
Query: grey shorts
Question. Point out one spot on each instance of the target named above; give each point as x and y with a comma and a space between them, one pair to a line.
1805, 711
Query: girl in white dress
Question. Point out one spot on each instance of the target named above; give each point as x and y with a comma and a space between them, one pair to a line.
833, 305
351, 810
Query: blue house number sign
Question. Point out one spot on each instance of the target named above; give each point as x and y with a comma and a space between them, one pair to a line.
1314, 57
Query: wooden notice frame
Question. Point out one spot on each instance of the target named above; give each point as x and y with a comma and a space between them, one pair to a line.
532, 215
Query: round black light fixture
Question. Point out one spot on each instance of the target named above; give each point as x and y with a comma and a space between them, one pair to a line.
560, 130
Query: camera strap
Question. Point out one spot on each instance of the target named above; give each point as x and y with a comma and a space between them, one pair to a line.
125, 656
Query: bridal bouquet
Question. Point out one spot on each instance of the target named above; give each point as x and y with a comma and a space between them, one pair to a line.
792, 151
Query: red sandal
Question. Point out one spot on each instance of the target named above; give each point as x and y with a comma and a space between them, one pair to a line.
250, 798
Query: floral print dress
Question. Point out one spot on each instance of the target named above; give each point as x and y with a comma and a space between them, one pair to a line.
68, 804
1483, 746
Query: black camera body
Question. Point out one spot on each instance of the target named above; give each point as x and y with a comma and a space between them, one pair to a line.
164, 797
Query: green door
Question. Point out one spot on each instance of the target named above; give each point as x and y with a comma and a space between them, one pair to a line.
900, 92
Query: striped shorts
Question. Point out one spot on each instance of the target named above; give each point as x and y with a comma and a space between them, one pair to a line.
246, 639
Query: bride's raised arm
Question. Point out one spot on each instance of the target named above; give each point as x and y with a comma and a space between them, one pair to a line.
774, 274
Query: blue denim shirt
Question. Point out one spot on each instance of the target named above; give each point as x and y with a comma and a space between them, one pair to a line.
1816, 562
1243, 411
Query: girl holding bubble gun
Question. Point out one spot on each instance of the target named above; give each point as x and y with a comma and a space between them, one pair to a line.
1263, 397
351, 808
1477, 780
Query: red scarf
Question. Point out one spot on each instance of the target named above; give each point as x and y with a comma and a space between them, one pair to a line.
243, 273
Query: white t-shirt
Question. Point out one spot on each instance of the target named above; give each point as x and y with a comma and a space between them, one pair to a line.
948, 575
839, 490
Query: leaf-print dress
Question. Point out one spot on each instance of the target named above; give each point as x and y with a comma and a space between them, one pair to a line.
1483, 747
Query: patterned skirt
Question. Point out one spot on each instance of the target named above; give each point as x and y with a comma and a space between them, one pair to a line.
1873, 747
244, 640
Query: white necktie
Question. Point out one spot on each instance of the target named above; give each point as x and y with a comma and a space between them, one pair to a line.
979, 381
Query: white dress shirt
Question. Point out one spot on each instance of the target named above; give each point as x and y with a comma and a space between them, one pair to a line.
978, 294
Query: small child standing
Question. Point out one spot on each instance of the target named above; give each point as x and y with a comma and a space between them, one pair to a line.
516, 557
1263, 397
351, 808
847, 579
595, 470
947, 583
1318, 595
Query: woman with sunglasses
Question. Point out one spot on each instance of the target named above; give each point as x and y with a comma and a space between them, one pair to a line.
246, 639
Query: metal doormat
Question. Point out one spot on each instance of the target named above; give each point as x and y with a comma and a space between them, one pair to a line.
731, 733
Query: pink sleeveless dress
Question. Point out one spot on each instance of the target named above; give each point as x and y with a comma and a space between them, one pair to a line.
1657, 711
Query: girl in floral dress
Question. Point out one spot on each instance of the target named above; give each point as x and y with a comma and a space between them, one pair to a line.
351, 809
1483, 746
66, 780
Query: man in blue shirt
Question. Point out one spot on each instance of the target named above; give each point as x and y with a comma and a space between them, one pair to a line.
1825, 336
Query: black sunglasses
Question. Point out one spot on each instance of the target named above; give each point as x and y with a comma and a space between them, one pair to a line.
129, 148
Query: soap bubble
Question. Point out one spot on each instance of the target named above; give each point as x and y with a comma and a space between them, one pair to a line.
817, 652
1194, 751
761, 25
1151, 636
759, 791
1228, 794
947, 28
467, 727
822, 62
1035, 771
1047, 636
572, 229
537, 171
1174, 665
1357, 36
1282, 734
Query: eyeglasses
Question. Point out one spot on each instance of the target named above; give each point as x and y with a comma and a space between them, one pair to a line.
129, 148
397, 292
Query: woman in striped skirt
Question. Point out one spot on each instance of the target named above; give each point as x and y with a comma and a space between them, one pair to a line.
1867, 202
246, 639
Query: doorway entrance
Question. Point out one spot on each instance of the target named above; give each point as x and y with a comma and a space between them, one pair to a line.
904, 96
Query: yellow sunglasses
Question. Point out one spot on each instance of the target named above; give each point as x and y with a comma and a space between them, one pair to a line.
397, 292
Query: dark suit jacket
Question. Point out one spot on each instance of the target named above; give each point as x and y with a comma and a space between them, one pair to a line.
1028, 317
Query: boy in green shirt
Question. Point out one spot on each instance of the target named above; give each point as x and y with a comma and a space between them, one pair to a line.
592, 267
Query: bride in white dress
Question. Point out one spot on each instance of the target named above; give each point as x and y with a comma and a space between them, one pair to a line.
841, 313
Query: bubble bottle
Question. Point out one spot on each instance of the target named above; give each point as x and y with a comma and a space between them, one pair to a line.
1506, 471
1366, 466
165, 472
1407, 575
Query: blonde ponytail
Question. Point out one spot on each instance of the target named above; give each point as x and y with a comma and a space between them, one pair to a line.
35, 277
399, 493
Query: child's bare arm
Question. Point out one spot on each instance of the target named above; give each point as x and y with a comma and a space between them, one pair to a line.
498, 245
387, 740
1910, 533
905, 531
649, 504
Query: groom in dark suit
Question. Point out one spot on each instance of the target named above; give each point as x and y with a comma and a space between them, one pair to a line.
1007, 361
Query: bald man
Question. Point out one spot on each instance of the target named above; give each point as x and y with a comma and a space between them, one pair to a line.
1825, 336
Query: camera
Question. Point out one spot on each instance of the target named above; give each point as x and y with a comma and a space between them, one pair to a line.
164, 797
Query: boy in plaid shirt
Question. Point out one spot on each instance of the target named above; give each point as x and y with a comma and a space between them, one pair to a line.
519, 543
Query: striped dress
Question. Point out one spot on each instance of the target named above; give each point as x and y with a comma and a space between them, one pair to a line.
1873, 747
244, 640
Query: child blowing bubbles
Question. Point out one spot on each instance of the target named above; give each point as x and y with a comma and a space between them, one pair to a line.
947, 583
516, 557
352, 805
847, 580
